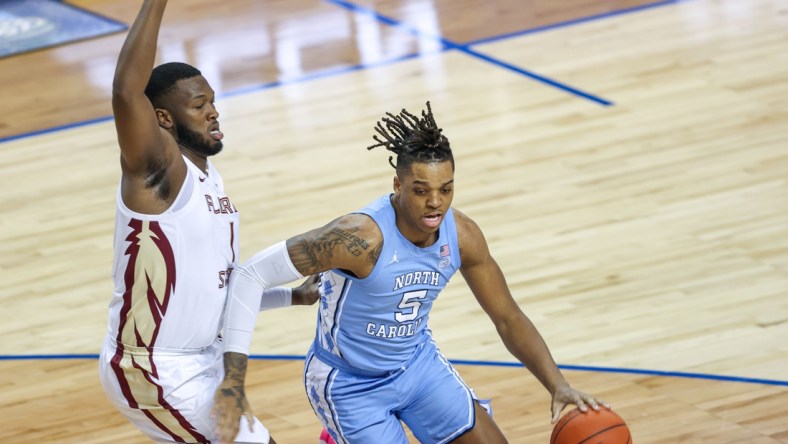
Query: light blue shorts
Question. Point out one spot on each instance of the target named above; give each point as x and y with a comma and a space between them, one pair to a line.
428, 395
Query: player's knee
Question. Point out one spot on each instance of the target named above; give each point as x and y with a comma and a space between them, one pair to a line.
484, 431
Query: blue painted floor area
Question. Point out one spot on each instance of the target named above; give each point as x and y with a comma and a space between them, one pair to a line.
28, 25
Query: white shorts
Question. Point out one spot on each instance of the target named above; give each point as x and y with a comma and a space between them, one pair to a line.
169, 395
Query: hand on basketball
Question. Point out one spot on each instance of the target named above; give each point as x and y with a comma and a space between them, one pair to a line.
228, 407
566, 395
308, 292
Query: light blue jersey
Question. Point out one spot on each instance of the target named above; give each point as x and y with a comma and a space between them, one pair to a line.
373, 363
376, 324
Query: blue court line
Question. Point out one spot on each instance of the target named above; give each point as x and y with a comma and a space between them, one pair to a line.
320, 75
46, 357
564, 24
391, 22
537, 77
56, 128
465, 48
237, 92
584, 368
446, 46
635, 371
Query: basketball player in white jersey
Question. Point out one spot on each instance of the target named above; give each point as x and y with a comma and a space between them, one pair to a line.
176, 242
373, 362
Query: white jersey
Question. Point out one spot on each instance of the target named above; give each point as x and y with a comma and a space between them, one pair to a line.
162, 359
171, 270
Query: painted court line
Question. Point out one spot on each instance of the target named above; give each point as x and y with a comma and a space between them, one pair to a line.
591, 18
323, 74
584, 368
636, 371
57, 128
465, 49
447, 45
537, 77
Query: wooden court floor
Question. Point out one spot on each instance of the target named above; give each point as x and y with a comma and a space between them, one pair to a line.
627, 161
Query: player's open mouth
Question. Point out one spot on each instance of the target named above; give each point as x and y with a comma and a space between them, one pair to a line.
216, 134
432, 220
214, 131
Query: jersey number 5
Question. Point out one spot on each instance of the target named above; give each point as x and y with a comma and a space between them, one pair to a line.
411, 301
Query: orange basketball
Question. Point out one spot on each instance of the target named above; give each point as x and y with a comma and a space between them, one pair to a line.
593, 427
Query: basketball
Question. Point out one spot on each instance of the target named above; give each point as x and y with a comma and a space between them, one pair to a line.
593, 427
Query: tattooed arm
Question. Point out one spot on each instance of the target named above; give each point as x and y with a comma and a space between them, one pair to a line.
230, 398
352, 242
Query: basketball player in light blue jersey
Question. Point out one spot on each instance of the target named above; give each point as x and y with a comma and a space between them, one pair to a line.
374, 362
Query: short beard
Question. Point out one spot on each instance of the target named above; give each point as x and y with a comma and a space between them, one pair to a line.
193, 141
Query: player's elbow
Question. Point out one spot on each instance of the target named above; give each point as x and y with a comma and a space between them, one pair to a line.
509, 322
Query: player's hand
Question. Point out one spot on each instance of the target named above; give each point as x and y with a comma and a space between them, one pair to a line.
229, 404
566, 395
307, 293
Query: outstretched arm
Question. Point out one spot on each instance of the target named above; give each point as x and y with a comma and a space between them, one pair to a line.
352, 242
519, 335
305, 294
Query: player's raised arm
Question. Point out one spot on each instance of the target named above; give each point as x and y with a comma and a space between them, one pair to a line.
136, 122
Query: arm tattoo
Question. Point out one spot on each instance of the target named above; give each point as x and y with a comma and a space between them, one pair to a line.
235, 371
354, 243
312, 255
373, 255
235, 367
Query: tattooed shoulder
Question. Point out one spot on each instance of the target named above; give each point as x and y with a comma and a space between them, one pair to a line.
373, 255
348, 238
329, 247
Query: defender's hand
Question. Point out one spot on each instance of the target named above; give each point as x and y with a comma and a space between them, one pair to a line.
307, 293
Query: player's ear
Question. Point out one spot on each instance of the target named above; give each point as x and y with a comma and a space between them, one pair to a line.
164, 117
397, 185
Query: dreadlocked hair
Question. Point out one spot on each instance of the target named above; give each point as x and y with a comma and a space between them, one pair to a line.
412, 139
164, 77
